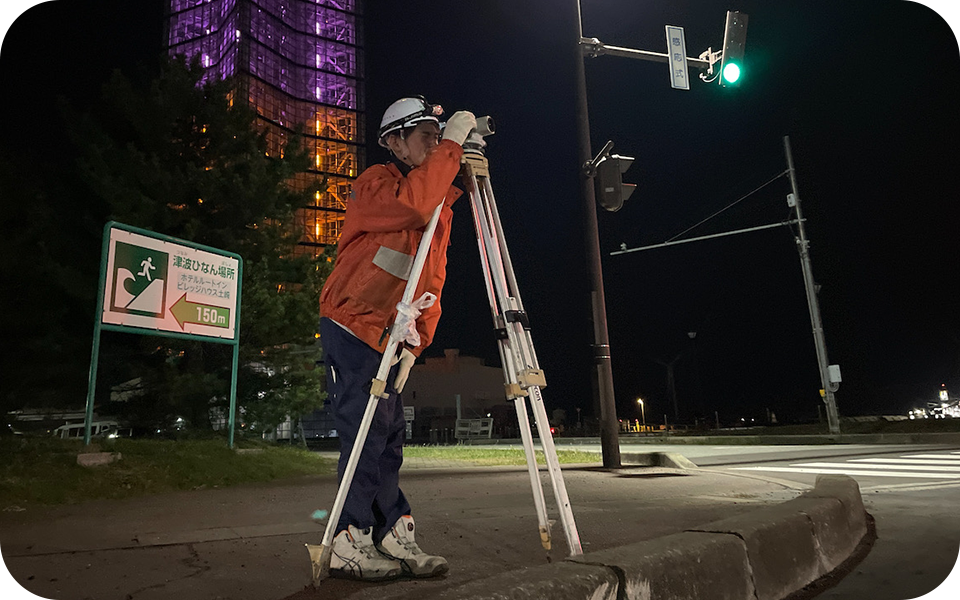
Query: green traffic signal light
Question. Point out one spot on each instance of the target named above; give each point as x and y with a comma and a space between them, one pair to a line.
731, 73
734, 44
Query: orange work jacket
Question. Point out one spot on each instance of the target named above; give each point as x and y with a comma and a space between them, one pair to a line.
383, 226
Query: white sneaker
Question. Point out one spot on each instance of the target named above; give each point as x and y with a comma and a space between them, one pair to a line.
355, 557
399, 544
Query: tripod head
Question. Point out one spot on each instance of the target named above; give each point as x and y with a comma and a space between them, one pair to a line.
474, 143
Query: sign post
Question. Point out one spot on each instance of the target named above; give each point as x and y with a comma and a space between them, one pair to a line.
153, 284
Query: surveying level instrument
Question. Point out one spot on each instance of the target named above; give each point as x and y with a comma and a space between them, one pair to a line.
523, 378
522, 375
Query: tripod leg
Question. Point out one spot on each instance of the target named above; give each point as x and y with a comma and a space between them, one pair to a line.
534, 471
506, 360
322, 570
556, 476
527, 354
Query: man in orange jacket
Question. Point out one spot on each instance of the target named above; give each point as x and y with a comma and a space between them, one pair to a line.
384, 224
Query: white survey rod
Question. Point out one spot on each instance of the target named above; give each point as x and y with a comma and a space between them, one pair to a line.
411, 288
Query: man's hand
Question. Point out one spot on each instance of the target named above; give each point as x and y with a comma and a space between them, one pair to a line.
459, 126
406, 361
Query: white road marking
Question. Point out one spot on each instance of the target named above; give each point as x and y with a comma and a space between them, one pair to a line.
843, 471
909, 461
954, 469
918, 486
936, 456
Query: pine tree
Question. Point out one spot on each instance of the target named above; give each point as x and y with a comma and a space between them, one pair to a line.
180, 156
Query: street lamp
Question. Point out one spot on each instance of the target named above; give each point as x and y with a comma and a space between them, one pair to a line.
642, 415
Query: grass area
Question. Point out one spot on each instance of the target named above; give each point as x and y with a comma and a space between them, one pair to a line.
37, 471
486, 456
44, 471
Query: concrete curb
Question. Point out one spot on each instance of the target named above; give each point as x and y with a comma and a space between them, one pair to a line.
670, 460
764, 555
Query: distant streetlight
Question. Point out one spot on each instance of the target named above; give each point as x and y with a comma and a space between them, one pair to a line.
642, 415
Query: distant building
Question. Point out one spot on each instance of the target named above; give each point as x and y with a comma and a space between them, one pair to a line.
297, 62
434, 386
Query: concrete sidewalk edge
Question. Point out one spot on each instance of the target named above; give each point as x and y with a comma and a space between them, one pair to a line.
767, 554
669, 460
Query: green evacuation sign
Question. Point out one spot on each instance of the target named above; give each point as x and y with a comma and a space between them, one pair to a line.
166, 284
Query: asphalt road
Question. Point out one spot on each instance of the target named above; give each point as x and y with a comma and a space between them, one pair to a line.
732, 455
247, 542
913, 492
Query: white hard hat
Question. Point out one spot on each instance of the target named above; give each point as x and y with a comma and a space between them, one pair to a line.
407, 112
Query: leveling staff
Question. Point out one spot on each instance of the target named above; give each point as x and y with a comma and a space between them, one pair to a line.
384, 224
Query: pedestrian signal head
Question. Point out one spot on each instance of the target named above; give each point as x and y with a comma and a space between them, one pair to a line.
610, 189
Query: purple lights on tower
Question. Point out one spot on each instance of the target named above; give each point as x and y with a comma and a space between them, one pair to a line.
203, 27
299, 62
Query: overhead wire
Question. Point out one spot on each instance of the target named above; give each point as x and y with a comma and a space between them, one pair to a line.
742, 198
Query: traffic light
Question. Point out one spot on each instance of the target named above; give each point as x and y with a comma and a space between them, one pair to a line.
611, 190
734, 43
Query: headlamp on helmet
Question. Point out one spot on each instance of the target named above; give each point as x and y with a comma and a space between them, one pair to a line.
407, 112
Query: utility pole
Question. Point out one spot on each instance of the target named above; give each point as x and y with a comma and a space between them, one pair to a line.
828, 386
603, 381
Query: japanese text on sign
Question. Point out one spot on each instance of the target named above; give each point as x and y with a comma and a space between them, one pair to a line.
677, 58
165, 284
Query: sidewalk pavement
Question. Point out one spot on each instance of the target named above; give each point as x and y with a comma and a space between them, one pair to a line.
247, 542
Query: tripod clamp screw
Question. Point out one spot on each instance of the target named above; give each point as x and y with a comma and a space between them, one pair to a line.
475, 165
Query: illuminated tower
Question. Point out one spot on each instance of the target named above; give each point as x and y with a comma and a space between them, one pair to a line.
298, 62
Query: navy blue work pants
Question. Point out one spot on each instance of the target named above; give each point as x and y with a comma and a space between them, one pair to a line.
374, 499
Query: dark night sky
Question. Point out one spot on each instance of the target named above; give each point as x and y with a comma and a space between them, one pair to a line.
867, 91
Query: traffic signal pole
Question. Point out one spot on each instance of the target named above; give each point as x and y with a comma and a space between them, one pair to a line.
604, 398
603, 394
731, 54
813, 303
594, 48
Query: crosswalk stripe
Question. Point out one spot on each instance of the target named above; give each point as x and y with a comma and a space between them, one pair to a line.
955, 469
865, 473
934, 456
909, 461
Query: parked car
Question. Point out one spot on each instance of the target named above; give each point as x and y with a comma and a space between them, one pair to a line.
106, 429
